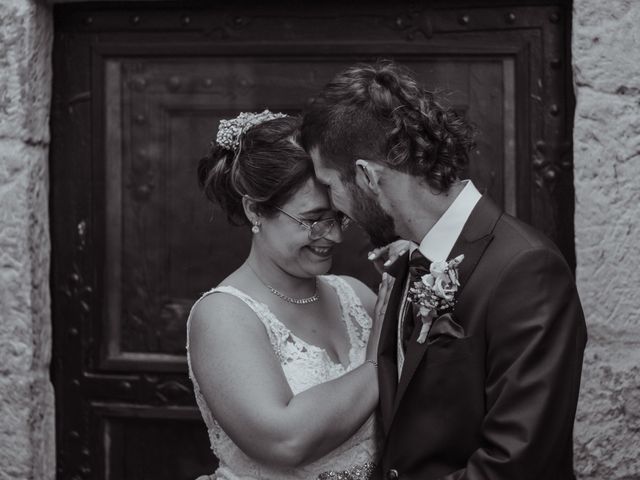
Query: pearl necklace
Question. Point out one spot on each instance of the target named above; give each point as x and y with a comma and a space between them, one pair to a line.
297, 301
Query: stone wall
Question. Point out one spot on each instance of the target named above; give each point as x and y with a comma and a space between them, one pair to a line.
606, 57
27, 440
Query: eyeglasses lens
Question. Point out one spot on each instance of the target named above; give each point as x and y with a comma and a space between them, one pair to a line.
322, 228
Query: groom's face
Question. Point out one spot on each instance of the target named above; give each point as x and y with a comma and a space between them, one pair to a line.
347, 197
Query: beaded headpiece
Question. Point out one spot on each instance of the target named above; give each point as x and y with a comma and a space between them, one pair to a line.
229, 131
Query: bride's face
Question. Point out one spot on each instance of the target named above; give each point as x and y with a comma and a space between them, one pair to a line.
287, 242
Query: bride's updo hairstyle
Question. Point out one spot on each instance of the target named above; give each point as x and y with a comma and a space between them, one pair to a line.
379, 112
254, 155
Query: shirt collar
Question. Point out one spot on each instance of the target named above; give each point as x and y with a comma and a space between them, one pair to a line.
438, 242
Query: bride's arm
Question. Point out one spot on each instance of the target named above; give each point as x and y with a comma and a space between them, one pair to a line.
246, 390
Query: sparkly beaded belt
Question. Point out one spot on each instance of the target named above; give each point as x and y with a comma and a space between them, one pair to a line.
359, 472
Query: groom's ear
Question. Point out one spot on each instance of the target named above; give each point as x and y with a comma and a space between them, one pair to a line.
368, 175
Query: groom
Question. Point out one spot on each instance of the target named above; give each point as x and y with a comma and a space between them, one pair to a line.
481, 383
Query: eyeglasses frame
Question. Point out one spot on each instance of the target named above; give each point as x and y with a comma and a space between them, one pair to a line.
343, 223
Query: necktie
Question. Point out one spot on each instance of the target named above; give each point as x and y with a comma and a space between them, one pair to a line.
419, 265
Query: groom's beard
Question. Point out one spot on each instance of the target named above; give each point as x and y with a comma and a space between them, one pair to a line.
378, 224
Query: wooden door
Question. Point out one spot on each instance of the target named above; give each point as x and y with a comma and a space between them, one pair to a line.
138, 93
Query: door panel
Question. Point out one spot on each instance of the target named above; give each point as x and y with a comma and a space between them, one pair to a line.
148, 442
138, 94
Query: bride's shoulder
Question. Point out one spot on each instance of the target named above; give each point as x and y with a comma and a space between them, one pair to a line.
366, 296
223, 308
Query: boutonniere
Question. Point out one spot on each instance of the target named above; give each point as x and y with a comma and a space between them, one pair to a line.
435, 293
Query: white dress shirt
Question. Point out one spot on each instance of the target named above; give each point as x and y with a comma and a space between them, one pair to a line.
439, 241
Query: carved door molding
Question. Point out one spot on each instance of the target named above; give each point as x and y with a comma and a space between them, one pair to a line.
137, 93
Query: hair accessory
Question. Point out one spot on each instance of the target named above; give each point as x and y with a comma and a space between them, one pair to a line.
229, 131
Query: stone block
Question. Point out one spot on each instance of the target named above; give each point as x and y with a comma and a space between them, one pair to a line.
606, 134
607, 218
25, 332
27, 441
26, 31
607, 430
42, 427
605, 45
15, 432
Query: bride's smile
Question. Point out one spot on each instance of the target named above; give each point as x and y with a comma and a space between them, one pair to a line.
305, 224
323, 252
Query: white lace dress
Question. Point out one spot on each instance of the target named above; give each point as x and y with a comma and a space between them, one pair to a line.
304, 366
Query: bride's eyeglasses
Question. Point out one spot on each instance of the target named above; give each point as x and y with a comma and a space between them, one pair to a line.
320, 228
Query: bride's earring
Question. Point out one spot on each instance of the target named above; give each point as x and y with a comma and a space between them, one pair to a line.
256, 227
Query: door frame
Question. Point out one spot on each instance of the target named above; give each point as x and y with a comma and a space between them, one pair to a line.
76, 279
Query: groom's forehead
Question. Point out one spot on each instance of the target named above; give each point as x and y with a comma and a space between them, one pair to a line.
320, 159
323, 170
319, 162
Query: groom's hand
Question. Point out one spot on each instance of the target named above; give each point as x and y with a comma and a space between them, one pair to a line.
384, 257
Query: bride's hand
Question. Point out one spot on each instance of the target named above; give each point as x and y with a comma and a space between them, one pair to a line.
384, 257
378, 315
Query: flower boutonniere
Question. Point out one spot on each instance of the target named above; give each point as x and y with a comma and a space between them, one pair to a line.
435, 292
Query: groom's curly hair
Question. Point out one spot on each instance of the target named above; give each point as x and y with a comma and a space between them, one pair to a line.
380, 112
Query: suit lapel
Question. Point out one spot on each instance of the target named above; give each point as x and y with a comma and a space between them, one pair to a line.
387, 349
475, 237
472, 242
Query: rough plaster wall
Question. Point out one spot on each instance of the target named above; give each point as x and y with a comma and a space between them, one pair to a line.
27, 449
606, 56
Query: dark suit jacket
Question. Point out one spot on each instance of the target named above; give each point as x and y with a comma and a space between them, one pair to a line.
498, 403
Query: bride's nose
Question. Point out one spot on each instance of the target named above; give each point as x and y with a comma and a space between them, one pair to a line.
335, 234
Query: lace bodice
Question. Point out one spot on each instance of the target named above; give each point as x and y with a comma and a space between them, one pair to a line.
304, 366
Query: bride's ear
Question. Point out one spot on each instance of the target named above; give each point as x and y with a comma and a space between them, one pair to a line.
368, 175
250, 209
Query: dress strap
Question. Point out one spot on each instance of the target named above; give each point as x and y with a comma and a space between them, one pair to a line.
357, 319
345, 292
254, 305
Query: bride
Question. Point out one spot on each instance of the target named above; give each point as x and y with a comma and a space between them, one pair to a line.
281, 355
